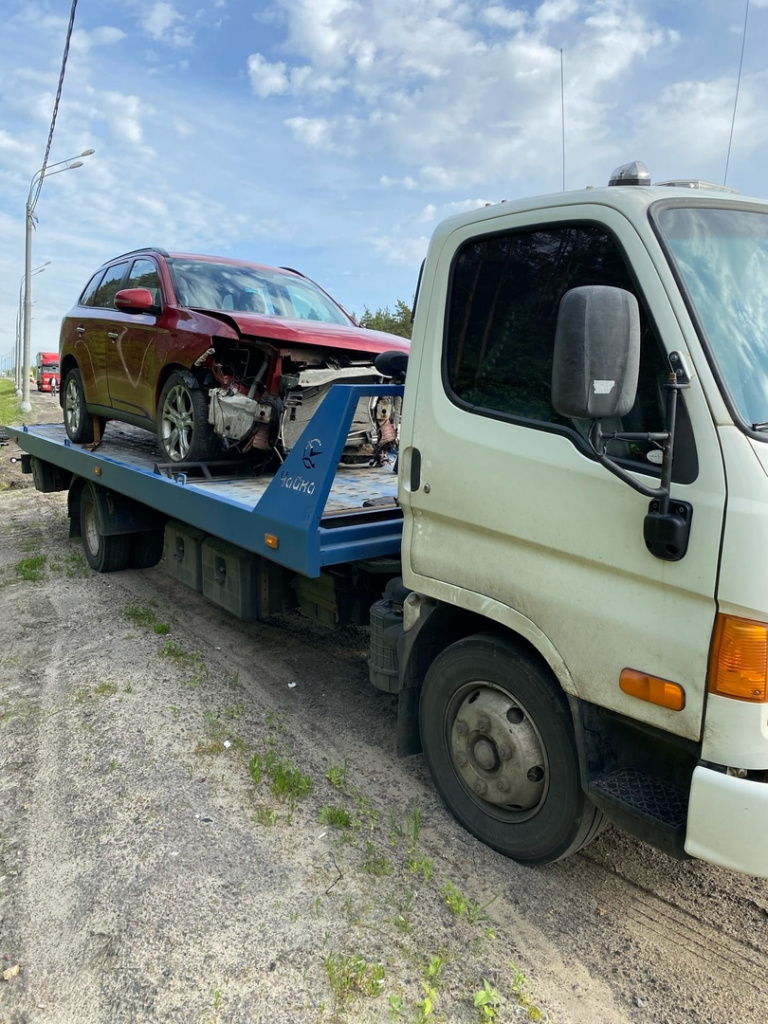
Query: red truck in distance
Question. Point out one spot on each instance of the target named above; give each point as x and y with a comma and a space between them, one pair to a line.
47, 370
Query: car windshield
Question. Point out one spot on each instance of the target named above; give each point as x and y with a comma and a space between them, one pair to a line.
722, 257
246, 289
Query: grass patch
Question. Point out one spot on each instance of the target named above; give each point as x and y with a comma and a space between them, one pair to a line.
336, 817
10, 412
105, 689
374, 863
463, 907
144, 615
31, 568
353, 975
176, 653
75, 565
86, 693
285, 780
218, 739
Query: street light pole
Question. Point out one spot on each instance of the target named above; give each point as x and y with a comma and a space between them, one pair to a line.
19, 328
37, 178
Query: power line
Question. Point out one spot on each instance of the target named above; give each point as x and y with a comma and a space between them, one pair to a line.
55, 105
735, 101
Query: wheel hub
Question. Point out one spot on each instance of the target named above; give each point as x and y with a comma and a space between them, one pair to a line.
497, 751
177, 423
72, 406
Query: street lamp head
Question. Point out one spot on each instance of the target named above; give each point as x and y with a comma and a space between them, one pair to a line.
88, 152
77, 163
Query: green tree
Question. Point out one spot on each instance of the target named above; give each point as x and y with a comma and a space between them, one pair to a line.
398, 322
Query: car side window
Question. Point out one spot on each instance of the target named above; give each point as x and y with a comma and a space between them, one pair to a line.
104, 296
502, 312
144, 275
86, 299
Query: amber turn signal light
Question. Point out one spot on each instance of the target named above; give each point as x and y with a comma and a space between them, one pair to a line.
649, 688
271, 541
738, 667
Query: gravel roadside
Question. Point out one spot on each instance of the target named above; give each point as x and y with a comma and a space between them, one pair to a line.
204, 821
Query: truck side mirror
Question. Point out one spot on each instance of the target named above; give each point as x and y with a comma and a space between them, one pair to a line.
597, 353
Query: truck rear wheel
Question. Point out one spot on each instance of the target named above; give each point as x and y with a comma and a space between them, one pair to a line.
103, 553
146, 549
498, 738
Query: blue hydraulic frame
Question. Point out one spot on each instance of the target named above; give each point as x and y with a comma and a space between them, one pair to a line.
287, 524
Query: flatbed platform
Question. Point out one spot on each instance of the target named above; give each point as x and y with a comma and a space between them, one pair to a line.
313, 512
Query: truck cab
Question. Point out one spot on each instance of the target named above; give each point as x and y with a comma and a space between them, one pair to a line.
46, 370
528, 559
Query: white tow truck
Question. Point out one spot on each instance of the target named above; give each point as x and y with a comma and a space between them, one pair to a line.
576, 614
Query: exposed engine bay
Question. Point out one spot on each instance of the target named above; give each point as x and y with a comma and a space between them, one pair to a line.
261, 398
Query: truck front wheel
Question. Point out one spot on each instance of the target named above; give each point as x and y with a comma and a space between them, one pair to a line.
103, 553
498, 738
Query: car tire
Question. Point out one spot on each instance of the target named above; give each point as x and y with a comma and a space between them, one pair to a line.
182, 423
498, 738
102, 553
77, 420
146, 549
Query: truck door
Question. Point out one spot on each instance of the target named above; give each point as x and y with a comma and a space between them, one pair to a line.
507, 512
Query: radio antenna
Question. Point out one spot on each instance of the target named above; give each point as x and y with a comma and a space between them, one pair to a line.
562, 111
736, 98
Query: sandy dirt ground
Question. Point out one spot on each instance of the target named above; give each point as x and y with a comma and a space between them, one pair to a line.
204, 821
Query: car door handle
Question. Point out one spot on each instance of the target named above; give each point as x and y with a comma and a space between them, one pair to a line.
113, 335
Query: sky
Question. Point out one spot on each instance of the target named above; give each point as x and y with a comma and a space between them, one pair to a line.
332, 136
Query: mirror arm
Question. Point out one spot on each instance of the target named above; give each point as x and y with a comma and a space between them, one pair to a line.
677, 380
597, 441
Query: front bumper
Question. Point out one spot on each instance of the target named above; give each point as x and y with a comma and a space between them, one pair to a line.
728, 822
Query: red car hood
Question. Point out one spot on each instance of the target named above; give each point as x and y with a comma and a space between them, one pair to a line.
314, 332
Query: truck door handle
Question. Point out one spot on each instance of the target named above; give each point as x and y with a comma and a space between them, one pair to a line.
415, 469
80, 330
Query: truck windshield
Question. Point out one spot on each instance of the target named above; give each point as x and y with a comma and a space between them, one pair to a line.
722, 257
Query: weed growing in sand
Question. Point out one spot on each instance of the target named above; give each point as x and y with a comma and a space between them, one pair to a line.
146, 616
31, 569
286, 781
336, 817
521, 992
353, 975
487, 1001
463, 907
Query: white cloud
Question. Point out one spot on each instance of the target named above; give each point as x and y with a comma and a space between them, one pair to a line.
407, 182
161, 21
431, 86
103, 36
313, 131
553, 11
399, 250
267, 79
11, 144
503, 17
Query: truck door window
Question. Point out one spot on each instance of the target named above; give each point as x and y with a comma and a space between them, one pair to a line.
500, 328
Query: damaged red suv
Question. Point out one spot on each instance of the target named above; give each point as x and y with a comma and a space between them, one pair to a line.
215, 354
